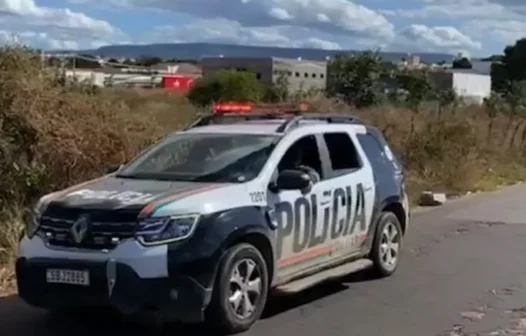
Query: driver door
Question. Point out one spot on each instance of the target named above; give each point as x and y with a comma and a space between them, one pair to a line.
300, 216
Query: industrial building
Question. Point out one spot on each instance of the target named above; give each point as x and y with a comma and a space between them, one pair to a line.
468, 84
300, 74
172, 77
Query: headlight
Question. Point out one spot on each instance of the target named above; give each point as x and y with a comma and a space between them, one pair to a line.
33, 222
162, 230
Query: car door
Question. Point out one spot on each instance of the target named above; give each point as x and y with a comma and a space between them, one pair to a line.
301, 233
388, 173
352, 187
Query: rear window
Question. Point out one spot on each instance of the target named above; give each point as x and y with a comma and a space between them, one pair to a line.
342, 152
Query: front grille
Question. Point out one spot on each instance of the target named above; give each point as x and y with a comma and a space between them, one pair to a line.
107, 227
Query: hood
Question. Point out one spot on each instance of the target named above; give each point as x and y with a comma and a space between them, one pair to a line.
112, 193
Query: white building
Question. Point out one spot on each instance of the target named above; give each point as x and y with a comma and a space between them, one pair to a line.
468, 84
299, 73
87, 76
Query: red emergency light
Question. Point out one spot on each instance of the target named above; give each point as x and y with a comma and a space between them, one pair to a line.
278, 108
232, 108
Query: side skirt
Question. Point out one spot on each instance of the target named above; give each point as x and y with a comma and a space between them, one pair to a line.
323, 276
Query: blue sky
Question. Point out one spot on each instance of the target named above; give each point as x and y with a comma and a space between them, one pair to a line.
471, 27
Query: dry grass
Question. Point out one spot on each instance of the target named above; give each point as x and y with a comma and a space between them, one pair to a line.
52, 136
9, 234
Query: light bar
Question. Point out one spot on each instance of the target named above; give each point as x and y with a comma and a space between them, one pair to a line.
280, 108
232, 107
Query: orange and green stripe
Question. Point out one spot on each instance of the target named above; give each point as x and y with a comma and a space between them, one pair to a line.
155, 205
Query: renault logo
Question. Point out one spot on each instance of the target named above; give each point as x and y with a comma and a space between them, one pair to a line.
80, 228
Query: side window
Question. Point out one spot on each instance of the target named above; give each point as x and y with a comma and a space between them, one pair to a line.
304, 152
375, 152
343, 154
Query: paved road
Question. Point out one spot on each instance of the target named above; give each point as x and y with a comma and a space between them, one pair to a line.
463, 273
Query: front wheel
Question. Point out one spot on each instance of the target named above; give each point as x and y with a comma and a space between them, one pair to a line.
241, 289
387, 244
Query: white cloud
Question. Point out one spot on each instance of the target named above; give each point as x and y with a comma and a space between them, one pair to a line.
226, 31
496, 22
54, 27
506, 31
326, 24
464, 9
412, 38
330, 16
439, 38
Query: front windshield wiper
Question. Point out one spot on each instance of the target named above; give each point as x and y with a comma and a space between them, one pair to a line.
150, 177
128, 176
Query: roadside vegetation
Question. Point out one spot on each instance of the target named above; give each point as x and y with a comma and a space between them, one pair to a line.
55, 133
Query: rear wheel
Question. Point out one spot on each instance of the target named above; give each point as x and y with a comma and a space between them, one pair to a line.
387, 244
241, 288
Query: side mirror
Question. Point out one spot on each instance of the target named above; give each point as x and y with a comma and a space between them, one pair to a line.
112, 169
294, 180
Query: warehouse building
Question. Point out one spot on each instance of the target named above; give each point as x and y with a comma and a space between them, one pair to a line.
300, 74
469, 84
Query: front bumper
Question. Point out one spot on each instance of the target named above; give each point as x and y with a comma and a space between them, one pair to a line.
181, 298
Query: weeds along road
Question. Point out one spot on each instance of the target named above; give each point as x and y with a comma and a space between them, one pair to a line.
463, 273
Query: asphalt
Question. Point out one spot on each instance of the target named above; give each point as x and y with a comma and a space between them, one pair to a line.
463, 273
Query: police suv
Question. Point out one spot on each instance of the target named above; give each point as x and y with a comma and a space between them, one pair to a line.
204, 224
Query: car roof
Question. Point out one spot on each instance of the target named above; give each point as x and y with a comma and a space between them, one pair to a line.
267, 126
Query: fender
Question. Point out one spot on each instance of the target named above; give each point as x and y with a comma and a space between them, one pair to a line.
199, 256
377, 210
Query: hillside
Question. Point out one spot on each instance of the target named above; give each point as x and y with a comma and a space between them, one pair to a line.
198, 50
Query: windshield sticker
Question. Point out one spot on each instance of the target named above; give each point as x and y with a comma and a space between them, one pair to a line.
124, 197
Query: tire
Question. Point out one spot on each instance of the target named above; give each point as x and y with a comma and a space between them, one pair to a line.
384, 266
221, 313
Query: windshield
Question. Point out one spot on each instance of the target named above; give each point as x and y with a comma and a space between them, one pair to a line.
204, 158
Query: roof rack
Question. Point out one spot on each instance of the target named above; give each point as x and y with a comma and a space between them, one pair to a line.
293, 115
329, 118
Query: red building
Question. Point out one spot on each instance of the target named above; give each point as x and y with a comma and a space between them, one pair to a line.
177, 83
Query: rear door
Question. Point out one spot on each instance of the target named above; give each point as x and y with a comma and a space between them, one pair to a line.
349, 193
387, 170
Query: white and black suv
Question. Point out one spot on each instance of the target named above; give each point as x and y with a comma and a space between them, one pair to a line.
207, 222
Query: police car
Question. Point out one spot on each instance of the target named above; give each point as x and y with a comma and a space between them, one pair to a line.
202, 226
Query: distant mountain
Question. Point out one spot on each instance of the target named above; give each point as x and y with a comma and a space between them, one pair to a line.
194, 51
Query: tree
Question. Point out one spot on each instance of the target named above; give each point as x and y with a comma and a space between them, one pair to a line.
129, 62
278, 91
356, 79
446, 98
462, 63
493, 58
417, 88
499, 77
512, 66
494, 104
515, 97
227, 85
148, 61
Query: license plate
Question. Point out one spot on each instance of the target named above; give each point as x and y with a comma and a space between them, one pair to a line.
71, 277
